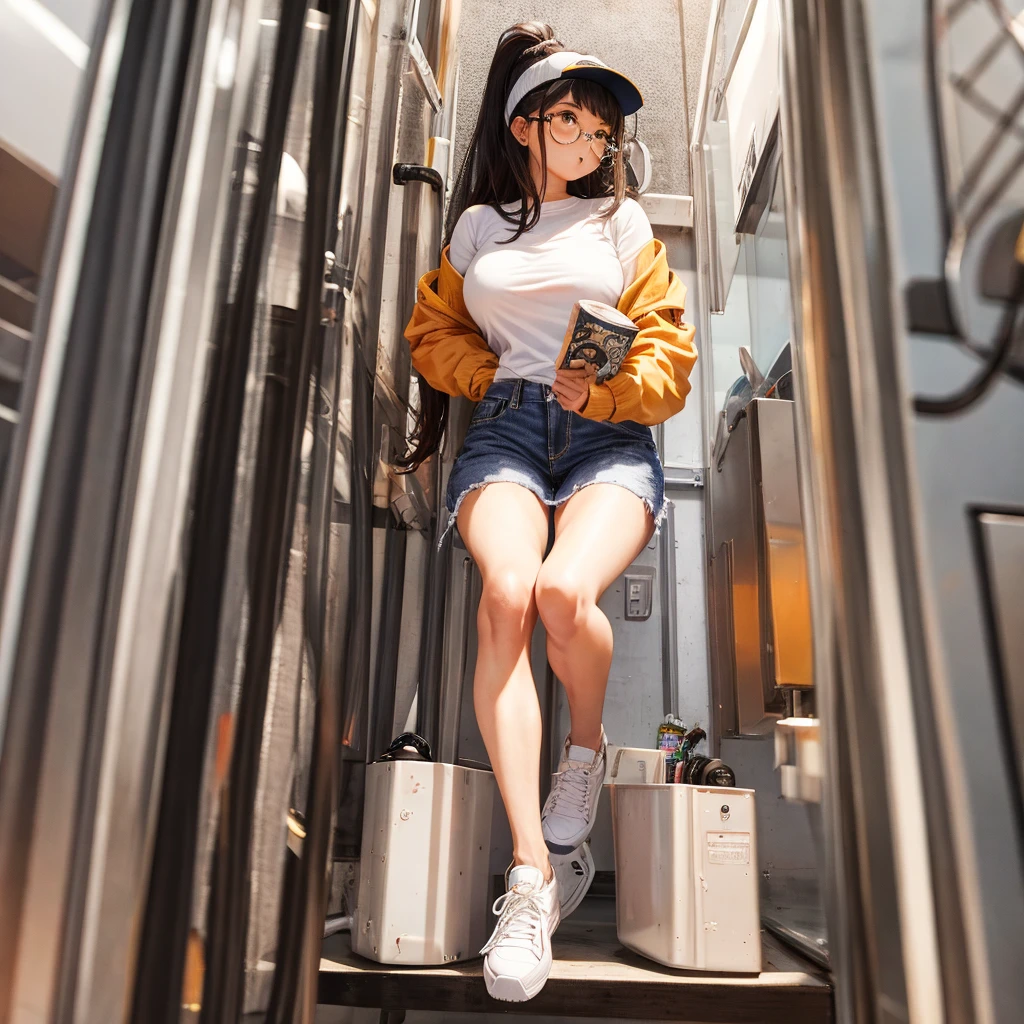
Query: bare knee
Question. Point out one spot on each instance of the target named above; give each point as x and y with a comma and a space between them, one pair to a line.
563, 602
506, 603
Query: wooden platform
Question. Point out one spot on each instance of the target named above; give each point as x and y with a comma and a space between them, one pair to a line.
593, 976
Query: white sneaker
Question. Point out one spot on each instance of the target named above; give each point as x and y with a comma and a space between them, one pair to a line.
571, 805
517, 957
575, 873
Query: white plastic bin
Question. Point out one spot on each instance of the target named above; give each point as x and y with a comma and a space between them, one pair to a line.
686, 885
424, 886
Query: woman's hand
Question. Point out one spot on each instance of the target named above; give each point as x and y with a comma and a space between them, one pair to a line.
572, 387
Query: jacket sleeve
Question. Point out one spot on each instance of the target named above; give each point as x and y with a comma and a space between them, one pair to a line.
448, 350
653, 381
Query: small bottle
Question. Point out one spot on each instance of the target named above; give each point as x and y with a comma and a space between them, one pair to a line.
670, 739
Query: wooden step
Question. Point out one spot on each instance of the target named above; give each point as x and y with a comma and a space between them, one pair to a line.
593, 976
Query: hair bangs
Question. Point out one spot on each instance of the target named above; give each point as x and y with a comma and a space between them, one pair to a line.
591, 96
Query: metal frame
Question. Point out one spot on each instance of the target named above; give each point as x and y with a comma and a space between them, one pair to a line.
704, 221
55, 307
897, 887
181, 336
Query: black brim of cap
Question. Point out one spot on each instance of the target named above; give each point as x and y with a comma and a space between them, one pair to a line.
627, 94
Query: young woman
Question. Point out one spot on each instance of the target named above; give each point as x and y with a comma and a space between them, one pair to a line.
541, 220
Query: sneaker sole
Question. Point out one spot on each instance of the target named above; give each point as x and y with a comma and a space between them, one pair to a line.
564, 849
585, 860
512, 990
508, 989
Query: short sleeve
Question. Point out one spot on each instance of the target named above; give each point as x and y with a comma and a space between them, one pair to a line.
631, 232
463, 245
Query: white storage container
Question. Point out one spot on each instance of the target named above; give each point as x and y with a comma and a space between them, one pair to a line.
686, 886
634, 765
424, 888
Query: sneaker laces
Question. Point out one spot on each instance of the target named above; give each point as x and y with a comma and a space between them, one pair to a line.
519, 920
571, 789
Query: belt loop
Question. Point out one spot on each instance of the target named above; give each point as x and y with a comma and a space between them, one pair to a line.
517, 393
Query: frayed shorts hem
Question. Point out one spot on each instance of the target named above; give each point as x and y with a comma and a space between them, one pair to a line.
658, 515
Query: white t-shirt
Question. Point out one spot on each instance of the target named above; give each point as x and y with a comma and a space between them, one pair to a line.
521, 294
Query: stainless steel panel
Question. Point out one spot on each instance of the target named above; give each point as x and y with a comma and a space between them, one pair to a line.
785, 561
899, 886
791, 853
416, 102
94, 741
460, 625
258, 750
151, 595
743, 678
371, 416
1003, 541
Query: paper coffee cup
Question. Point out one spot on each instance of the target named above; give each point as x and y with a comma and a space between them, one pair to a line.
598, 335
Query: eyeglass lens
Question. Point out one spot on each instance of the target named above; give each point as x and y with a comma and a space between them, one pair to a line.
566, 131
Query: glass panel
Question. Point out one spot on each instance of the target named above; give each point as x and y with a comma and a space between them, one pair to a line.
757, 303
750, 282
428, 29
766, 268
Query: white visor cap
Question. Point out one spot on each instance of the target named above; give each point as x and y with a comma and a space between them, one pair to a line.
567, 64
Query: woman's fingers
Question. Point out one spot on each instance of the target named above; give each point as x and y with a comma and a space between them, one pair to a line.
582, 364
578, 375
571, 397
569, 393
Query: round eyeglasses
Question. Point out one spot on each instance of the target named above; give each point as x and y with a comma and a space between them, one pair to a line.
566, 130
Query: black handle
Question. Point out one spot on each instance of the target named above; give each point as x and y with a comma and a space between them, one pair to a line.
404, 173
397, 751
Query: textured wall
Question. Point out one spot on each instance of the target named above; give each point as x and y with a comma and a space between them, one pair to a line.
695, 15
648, 48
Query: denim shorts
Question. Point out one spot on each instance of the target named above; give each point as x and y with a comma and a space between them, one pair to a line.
520, 434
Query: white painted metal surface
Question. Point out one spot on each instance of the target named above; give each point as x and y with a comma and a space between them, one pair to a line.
686, 876
424, 886
668, 211
635, 765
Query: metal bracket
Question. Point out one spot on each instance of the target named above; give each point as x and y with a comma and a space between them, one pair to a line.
668, 211
330, 297
424, 73
401, 491
684, 476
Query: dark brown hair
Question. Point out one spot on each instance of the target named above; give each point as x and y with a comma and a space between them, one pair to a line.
496, 172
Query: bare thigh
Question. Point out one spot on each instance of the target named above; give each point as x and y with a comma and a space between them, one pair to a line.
505, 529
599, 531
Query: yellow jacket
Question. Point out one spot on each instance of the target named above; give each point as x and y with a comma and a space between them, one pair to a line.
449, 352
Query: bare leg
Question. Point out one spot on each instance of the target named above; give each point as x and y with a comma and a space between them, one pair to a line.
598, 532
505, 529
